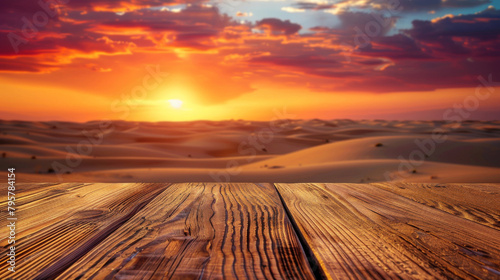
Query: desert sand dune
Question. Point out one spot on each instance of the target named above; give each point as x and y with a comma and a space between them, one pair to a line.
284, 151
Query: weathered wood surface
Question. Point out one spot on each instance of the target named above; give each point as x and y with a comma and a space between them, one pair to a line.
201, 231
257, 231
58, 223
478, 203
370, 232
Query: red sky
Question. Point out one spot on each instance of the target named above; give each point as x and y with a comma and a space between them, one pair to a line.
82, 60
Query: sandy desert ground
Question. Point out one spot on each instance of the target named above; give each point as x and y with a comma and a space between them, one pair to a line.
249, 151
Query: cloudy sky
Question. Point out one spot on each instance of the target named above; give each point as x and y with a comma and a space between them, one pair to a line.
157, 60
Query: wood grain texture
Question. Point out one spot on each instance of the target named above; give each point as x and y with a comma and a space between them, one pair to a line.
366, 232
255, 231
58, 223
478, 202
201, 231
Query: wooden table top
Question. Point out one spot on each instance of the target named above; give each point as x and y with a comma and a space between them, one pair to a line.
254, 231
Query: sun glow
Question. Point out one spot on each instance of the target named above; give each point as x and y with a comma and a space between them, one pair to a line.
175, 103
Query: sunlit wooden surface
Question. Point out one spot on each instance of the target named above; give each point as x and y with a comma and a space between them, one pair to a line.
255, 231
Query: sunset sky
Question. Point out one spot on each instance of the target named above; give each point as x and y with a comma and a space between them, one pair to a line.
154, 60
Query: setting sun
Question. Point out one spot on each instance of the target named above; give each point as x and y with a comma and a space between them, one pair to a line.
175, 103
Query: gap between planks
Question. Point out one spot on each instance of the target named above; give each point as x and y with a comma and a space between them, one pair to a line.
201, 231
314, 263
335, 231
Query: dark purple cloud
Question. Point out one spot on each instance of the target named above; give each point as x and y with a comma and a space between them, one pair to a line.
464, 3
464, 35
278, 26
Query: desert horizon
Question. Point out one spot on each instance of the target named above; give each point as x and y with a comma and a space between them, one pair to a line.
282, 150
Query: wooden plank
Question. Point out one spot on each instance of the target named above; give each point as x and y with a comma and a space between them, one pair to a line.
364, 232
57, 222
479, 202
34, 199
201, 231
